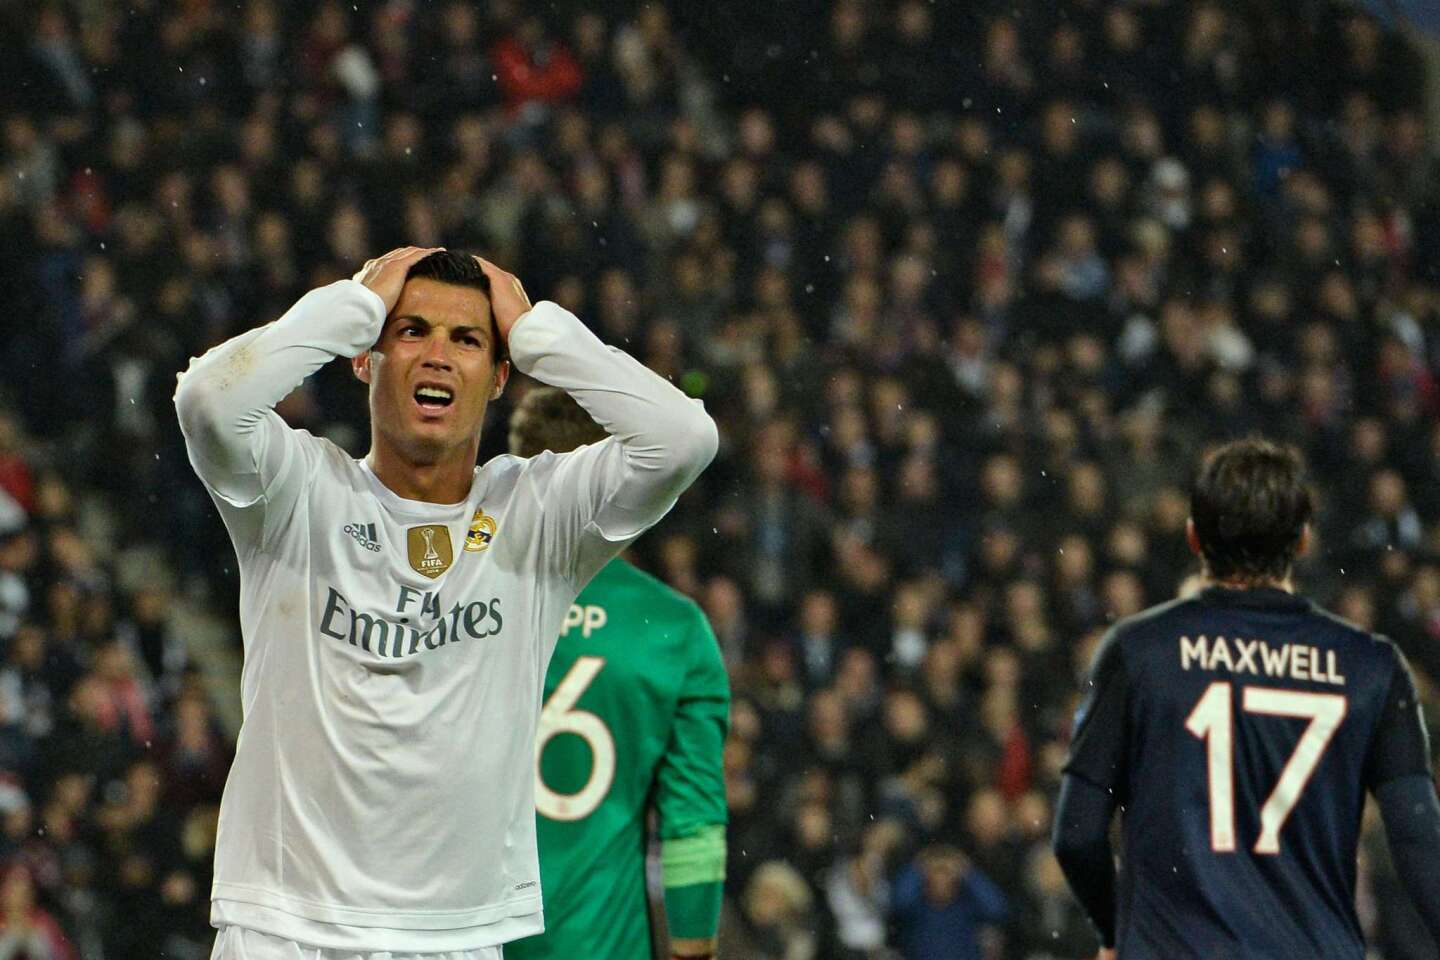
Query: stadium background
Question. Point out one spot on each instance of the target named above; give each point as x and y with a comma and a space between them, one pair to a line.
967, 286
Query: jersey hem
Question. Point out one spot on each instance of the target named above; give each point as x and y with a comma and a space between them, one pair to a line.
390, 919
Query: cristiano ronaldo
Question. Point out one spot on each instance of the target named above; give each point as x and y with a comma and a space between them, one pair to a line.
398, 611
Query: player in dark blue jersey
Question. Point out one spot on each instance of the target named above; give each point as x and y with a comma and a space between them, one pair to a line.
1238, 731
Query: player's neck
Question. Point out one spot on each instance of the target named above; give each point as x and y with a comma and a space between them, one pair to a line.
446, 480
1286, 583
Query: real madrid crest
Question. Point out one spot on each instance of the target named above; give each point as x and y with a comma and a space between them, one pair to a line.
482, 531
429, 548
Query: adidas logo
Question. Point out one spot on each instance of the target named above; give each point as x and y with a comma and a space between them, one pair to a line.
364, 534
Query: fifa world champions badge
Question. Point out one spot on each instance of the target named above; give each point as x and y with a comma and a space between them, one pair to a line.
429, 549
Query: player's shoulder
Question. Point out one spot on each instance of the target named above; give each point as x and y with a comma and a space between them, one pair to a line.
622, 579
1345, 630
1153, 622
501, 474
509, 474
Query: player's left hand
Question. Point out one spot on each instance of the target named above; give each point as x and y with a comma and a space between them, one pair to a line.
1106, 953
508, 299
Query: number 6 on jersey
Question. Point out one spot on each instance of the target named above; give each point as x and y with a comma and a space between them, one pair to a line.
1211, 721
559, 716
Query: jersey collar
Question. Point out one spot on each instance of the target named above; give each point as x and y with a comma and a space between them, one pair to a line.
1268, 598
417, 509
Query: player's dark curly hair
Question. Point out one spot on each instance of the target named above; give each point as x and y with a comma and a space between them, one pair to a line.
549, 419
459, 269
1250, 504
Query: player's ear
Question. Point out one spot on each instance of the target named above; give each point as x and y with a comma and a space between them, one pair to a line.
361, 366
502, 377
1303, 547
1192, 539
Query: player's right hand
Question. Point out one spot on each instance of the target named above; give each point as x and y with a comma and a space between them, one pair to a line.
386, 273
1106, 953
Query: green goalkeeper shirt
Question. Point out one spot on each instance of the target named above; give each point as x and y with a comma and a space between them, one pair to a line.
636, 711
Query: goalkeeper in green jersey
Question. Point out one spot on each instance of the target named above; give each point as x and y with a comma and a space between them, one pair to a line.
636, 711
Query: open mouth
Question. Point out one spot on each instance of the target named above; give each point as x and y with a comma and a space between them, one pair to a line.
434, 398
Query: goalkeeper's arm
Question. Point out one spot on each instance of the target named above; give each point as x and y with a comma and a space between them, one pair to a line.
690, 801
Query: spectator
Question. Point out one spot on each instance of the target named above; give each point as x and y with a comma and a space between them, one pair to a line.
941, 902
25, 928
535, 69
777, 917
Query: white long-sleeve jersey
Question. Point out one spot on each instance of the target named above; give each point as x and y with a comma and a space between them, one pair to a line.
382, 794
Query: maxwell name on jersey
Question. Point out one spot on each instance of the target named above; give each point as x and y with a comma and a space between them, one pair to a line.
1294, 660
391, 635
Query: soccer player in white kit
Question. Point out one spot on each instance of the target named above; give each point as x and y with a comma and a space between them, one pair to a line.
398, 612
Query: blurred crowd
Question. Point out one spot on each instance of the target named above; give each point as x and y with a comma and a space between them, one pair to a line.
967, 286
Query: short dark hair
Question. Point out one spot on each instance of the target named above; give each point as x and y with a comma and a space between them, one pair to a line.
550, 419
453, 267
461, 270
1250, 504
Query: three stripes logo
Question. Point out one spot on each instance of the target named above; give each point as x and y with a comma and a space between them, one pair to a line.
364, 534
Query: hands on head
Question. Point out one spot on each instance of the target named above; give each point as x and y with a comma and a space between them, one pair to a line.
386, 275
508, 300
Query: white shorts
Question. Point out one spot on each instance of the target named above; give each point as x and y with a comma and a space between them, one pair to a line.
240, 943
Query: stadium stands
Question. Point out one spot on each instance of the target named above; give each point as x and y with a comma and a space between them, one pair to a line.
968, 287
